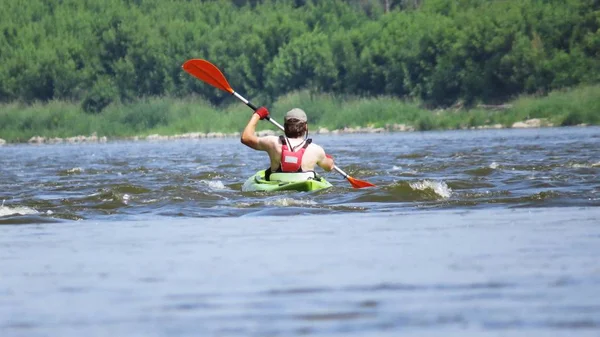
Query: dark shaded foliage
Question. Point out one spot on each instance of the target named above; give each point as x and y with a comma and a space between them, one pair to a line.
437, 51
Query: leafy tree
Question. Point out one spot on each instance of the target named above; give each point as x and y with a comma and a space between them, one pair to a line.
435, 51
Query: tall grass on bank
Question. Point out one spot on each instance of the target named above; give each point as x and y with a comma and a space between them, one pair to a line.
338, 112
568, 107
19, 122
170, 116
167, 116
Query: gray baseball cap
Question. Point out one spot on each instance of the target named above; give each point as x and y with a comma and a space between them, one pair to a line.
296, 113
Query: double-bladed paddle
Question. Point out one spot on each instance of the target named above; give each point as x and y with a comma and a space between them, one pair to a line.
209, 73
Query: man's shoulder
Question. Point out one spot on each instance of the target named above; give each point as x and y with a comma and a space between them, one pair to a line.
270, 138
316, 147
267, 143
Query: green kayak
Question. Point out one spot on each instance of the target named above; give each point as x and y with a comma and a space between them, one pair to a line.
304, 182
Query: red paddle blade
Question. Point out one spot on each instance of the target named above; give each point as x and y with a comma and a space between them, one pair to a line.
359, 183
207, 72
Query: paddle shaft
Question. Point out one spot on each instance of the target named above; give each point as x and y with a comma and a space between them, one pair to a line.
254, 107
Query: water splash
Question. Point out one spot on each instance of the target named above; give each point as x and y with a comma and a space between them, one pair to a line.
16, 210
580, 165
286, 202
402, 171
439, 187
71, 171
215, 185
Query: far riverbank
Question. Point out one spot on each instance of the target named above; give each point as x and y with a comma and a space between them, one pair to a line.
171, 118
80, 139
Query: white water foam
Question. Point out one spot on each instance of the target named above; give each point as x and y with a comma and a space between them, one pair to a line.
75, 170
494, 165
286, 202
585, 165
399, 168
16, 210
214, 184
439, 187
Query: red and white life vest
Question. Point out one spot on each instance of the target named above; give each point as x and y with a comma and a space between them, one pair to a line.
291, 161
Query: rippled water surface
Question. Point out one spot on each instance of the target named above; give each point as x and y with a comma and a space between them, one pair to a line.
493, 232
203, 178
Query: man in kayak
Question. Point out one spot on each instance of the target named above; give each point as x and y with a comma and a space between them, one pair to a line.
293, 152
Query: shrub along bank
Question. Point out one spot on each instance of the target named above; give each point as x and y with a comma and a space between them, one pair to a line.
172, 116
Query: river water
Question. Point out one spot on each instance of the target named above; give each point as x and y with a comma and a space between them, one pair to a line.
492, 232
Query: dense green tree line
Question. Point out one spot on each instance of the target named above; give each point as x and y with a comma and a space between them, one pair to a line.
438, 52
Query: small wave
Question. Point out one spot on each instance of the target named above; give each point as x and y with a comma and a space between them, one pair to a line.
27, 219
141, 169
415, 155
519, 201
484, 195
581, 166
17, 210
541, 196
129, 189
439, 187
214, 184
286, 202
71, 171
482, 171
404, 172
405, 191
106, 199
208, 176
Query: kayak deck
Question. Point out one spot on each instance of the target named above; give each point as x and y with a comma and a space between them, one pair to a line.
257, 182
